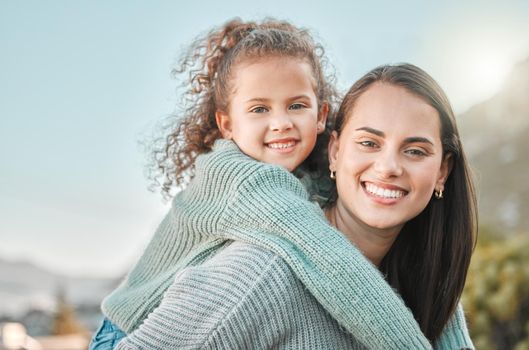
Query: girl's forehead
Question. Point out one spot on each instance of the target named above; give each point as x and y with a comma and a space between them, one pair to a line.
263, 71
266, 62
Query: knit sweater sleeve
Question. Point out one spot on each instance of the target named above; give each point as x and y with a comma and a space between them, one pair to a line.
455, 334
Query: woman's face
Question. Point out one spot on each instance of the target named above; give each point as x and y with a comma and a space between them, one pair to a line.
388, 158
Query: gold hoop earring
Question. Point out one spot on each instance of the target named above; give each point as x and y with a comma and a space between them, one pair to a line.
333, 175
438, 194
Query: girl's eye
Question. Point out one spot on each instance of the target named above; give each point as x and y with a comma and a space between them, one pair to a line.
296, 106
259, 109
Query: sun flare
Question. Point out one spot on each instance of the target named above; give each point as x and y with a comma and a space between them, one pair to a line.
487, 69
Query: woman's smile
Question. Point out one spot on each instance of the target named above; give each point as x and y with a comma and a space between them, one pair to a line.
388, 158
383, 193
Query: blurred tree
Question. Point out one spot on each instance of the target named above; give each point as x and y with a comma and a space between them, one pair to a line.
496, 296
64, 320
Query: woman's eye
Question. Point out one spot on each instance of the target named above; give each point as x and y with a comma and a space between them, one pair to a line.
416, 152
368, 144
296, 106
259, 110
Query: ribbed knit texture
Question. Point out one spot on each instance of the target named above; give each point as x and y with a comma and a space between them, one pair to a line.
235, 197
245, 297
455, 334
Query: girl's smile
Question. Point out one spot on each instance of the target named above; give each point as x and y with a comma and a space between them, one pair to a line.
273, 115
284, 146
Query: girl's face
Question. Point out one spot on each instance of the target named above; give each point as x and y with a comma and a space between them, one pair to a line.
273, 111
388, 158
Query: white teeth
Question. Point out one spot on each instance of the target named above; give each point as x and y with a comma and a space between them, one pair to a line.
281, 145
383, 192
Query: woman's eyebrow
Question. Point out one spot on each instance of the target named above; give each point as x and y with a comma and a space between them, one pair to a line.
413, 139
372, 131
417, 139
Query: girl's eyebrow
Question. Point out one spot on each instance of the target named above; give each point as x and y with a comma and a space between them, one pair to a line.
413, 139
262, 99
258, 99
298, 97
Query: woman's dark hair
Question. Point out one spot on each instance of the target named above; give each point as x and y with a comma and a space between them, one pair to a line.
207, 68
429, 260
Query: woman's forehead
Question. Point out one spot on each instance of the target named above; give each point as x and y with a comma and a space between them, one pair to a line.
389, 108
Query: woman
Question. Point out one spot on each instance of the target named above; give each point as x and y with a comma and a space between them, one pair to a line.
389, 158
395, 144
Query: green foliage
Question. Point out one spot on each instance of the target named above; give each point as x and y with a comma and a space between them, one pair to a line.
496, 296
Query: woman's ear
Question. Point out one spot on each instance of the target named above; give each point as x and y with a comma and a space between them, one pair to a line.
322, 117
444, 171
333, 148
224, 124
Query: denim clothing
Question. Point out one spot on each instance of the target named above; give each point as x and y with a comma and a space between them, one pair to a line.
106, 337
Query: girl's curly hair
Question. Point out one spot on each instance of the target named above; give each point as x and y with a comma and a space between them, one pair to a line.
208, 65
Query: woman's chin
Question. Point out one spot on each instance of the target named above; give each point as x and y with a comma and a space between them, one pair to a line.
383, 224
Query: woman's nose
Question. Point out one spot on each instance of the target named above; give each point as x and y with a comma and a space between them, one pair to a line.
388, 165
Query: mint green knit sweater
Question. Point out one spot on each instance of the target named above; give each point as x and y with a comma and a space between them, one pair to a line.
236, 197
246, 297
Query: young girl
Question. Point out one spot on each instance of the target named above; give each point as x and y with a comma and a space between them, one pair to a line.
263, 86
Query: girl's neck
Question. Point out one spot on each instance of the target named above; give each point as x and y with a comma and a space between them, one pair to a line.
373, 242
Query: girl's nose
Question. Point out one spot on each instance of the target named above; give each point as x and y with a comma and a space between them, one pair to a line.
280, 122
388, 165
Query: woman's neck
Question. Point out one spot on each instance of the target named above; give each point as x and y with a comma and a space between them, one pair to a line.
373, 242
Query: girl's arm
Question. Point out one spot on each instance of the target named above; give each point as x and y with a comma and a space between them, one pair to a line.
455, 334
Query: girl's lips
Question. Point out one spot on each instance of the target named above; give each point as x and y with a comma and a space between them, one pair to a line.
282, 145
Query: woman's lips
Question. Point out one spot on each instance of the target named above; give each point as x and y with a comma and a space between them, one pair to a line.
384, 192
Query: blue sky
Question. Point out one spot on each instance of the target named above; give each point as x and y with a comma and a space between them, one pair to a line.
81, 82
